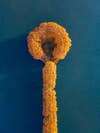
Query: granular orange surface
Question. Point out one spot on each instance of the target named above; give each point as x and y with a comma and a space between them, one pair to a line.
50, 43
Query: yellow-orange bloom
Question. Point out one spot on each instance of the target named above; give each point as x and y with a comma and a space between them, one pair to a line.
49, 31
50, 43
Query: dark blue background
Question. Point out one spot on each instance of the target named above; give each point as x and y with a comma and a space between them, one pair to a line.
78, 83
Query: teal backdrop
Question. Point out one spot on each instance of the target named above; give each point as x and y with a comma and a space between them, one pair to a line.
78, 83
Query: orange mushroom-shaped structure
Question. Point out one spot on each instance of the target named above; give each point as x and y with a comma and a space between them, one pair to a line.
50, 43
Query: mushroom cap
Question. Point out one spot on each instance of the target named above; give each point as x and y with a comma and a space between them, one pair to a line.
49, 31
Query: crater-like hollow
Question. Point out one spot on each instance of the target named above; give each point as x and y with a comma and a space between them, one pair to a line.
48, 46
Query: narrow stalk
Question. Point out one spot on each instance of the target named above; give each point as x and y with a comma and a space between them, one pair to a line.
49, 98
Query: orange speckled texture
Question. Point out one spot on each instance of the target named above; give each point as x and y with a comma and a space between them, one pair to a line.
49, 98
62, 42
45, 31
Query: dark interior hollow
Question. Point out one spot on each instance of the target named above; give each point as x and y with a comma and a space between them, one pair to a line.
48, 46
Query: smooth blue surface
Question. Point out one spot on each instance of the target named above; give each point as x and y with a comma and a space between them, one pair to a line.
78, 83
